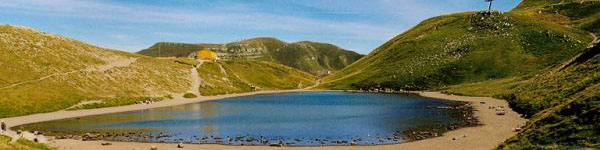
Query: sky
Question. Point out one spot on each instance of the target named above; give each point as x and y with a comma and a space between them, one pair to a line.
132, 25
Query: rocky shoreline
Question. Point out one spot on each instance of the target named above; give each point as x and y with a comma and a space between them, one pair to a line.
462, 111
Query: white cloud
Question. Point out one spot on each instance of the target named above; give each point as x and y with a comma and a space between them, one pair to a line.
198, 19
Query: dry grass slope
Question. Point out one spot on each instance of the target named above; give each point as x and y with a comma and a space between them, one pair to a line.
58, 72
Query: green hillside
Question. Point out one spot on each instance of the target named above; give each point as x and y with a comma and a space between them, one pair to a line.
462, 48
240, 76
169, 49
562, 101
44, 73
315, 58
583, 14
534, 56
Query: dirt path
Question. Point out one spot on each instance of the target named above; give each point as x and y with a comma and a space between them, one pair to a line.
101, 68
495, 128
196, 80
317, 83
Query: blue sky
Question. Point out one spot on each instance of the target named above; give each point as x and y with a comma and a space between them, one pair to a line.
132, 25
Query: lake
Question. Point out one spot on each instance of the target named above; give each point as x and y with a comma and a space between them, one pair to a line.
294, 119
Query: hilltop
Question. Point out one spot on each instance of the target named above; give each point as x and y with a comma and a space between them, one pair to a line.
312, 57
462, 48
44, 73
535, 57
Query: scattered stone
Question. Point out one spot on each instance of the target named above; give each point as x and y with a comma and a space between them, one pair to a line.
501, 113
180, 145
105, 143
153, 147
353, 143
517, 129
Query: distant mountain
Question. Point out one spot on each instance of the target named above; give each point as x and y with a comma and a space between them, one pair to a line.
313, 57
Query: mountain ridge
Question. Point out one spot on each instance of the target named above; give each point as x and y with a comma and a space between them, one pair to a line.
314, 57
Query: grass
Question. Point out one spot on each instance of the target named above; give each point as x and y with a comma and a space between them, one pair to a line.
169, 49
462, 48
238, 76
562, 103
186, 61
21, 144
144, 78
48, 54
580, 14
118, 101
189, 95
490, 88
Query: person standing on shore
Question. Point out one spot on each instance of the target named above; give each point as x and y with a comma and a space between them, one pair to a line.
3, 126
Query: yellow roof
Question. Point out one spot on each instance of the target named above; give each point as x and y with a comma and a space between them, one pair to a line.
207, 54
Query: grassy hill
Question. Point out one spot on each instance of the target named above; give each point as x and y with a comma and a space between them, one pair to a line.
43, 73
564, 105
562, 101
238, 76
170, 49
462, 48
315, 58
534, 56
583, 14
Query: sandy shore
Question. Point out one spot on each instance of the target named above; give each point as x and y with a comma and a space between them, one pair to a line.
495, 129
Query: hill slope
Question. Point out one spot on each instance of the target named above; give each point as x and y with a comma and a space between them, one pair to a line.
43, 73
315, 58
563, 101
583, 14
238, 76
462, 48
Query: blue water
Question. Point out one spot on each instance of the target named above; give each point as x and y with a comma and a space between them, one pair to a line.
298, 119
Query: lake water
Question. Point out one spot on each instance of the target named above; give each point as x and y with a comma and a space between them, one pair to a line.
298, 119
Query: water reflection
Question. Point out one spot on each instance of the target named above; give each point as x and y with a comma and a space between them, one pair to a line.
208, 111
301, 119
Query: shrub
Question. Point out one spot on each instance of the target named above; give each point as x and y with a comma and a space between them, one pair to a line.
189, 95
